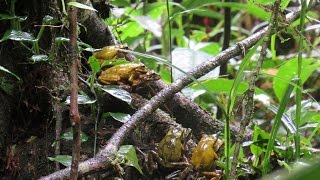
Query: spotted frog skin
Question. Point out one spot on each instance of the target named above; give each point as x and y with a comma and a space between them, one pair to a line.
205, 154
130, 73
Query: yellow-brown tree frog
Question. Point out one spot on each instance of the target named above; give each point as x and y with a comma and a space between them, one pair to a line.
110, 53
205, 154
130, 74
171, 147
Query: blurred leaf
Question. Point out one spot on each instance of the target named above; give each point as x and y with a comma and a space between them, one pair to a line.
260, 138
68, 136
50, 20
124, 3
61, 39
284, 4
114, 62
222, 85
9, 17
288, 71
118, 93
128, 153
82, 99
286, 119
149, 24
131, 29
212, 49
121, 117
63, 159
302, 169
186, 59
94, 64
39, 58
9, 72
81, 6
17, 36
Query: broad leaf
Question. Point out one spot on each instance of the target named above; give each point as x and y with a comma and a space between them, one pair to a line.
118, 93
17, 36
128, 153
68, 136
222, 85
82, 99
63, 159
121, 117
149, 24
288, 71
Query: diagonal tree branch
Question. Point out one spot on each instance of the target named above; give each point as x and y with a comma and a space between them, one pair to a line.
104, 156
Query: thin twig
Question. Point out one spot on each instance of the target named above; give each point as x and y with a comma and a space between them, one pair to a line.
248, 100
74, 111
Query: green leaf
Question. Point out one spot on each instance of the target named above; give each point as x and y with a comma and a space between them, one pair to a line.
131, 29
286, 119
289, 70
118, 93
114, 62
9, 17
61, 39
276, 125
17, 36
68, 136
222, 85
94, 64
240, 76
49, 20
212, 48
284, 4
118, 3
81, 6
128, 153
82, 99
9, 72
39, 58
63, 159
122, 117
149, 24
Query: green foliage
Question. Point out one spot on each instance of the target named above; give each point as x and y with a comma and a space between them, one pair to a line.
127, 154
63, 159
17, 35
68, 136
82, 99
121, 117
275, 127
118, 93
289, 70
9, 72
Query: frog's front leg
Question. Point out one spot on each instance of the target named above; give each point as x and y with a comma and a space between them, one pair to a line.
178, 165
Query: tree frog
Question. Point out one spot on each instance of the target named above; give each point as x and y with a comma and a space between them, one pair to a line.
205, 154
110, 52
130, 73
